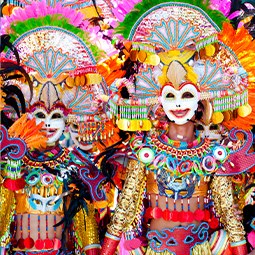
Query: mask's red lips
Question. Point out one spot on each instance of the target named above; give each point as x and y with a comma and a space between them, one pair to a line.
50, 131
179, 113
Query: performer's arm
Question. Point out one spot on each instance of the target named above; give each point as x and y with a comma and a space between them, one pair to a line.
126, 208
87, 231
224, 205
7, 210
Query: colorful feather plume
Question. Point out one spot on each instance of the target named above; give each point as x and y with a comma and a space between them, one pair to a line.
221, 5
29, 132
242, 44
40, 9
111, 69
123, 8
40, 15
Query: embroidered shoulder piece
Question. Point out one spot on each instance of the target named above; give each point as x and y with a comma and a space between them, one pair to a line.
240, 160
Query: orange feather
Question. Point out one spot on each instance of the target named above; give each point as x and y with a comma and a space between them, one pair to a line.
29, 132
242, 44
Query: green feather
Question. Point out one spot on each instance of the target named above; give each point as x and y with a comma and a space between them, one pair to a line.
19, 28
139, 9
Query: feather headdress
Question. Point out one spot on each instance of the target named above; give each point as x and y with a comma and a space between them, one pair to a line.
164, 34
56, 53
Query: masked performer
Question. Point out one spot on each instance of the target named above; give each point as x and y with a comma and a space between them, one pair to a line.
58, 57
196, 60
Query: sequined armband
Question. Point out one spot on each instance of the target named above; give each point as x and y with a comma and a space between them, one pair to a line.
239, 248
126, 208
86, 229
224, 201
7, 205
110, 244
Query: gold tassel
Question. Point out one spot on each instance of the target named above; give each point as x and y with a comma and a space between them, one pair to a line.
202, 249
7, 204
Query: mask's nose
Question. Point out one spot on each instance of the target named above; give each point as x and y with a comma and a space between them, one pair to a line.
47, 123
44, 204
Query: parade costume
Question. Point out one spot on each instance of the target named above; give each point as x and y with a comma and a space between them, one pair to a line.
195, 60
57, 187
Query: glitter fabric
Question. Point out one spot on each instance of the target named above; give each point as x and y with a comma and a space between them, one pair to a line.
223, 200
86, 227
55, 38
187, 13
7, 203
126, 209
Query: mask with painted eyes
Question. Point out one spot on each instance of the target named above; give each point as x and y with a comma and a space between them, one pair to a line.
44, 204
54, 121
210, 131
84, 145
180, 105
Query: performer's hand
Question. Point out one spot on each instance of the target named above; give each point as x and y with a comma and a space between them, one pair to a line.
252, 253
238, 213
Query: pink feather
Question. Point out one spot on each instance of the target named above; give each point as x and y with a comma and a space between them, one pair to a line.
251, 238
221, 5
4, 26
37, 9
123, 8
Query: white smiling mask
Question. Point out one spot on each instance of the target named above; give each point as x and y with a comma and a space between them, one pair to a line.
180, 105
54, 123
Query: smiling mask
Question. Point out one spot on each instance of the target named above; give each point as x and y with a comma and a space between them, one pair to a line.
53, 118
210, 130
180, 105
84, 144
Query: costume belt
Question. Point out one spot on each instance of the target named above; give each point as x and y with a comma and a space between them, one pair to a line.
42, 252
179, 240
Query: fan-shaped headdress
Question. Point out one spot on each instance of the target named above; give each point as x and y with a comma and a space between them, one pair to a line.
184, 41
62, 61
56, 53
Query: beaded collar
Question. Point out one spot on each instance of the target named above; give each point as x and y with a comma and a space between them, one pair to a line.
180, 144
178, 168
202, 157
46, 155
50, 158
179, 150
